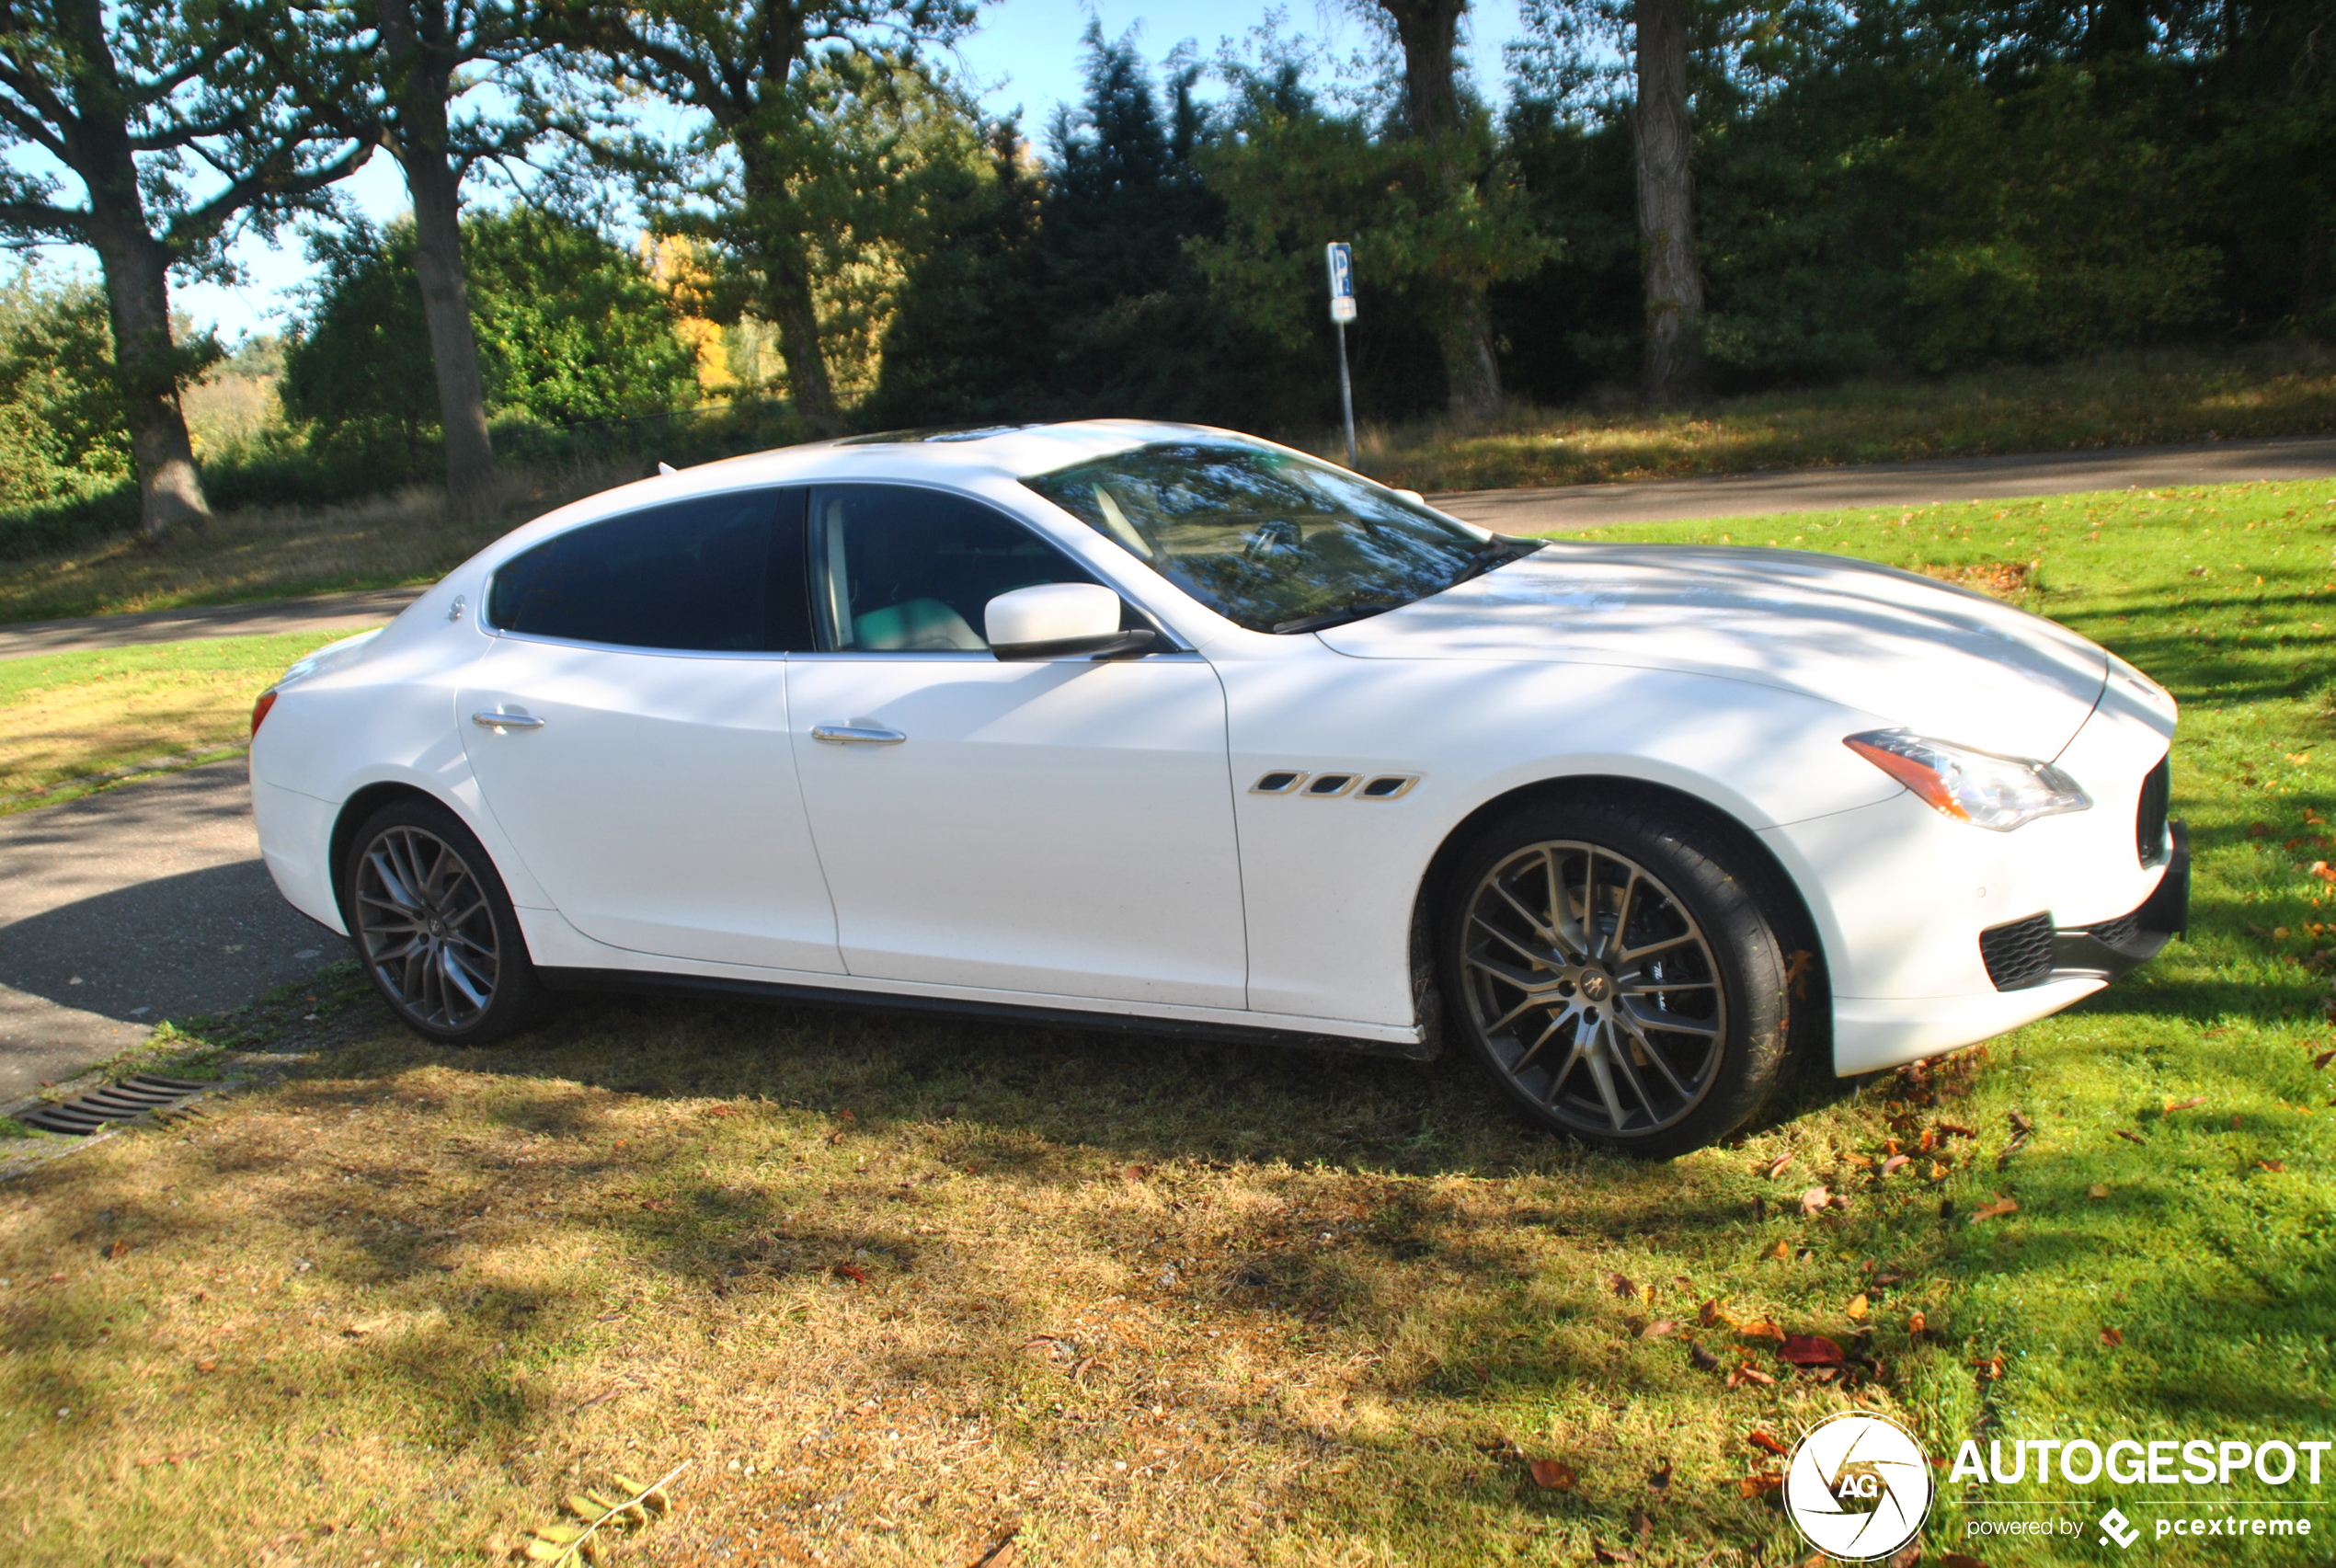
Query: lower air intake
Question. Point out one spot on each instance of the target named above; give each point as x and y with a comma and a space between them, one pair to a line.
2018, 955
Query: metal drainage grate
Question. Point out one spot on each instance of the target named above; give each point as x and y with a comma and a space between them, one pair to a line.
125, 1100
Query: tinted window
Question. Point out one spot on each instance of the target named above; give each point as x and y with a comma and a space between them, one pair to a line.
722, 574
1270, 540
903, 570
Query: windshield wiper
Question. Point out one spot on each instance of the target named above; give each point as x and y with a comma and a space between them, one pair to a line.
1332, 618
1497, 551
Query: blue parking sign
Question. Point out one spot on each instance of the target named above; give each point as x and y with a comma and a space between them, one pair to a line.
1341, 258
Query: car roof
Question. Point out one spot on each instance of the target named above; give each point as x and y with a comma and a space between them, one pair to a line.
1011, 451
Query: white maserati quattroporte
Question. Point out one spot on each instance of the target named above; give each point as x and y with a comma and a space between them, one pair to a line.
1158, 727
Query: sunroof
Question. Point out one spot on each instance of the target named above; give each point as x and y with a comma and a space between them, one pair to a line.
935, 433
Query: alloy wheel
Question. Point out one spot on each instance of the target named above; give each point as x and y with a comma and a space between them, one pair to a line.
426, 929
1594, 990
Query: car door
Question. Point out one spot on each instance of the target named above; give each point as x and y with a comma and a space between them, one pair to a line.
629, 730
1053, 828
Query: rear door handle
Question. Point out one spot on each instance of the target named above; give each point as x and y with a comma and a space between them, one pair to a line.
501, 722
856, 735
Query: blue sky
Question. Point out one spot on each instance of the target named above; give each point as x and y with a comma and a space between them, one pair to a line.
1024, 54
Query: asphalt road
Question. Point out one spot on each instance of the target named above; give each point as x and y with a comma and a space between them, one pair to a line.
149, 902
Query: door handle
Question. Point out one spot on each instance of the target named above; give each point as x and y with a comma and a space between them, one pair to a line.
501, 722
856, 735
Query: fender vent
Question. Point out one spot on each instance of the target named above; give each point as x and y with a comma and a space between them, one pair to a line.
2019, 954
1280, 782
122, 1102
1388, 786
1324, 785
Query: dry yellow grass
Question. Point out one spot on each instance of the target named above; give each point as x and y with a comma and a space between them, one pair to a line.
71, 721
411, 536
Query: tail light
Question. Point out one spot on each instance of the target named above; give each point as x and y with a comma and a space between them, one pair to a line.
259, 709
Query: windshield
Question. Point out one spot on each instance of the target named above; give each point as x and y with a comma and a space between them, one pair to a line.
1270, 540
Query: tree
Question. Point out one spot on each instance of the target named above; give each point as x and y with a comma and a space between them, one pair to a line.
570, 327
61, 432
754, 70
405, 64
143, 102
1673, 353
1428, 33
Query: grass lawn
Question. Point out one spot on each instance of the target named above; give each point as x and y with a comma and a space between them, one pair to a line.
2115, 400
893, 1288
70, 723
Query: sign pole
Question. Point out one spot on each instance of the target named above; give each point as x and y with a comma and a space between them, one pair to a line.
1346, 394
1341, 259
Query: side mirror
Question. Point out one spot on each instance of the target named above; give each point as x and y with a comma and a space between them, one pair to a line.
1059, 620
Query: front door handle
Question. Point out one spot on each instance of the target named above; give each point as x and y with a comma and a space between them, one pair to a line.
856, 735
501, 722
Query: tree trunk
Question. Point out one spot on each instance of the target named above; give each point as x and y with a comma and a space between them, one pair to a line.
420, 84
1428, 32
786, 286
1674, 362
146, 372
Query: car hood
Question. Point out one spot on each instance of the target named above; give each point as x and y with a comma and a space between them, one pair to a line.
1940, 661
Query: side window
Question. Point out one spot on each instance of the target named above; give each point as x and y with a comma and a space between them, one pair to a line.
897, 569
722, 574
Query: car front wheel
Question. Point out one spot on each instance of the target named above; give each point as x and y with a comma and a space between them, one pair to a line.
1616, 975
434, 928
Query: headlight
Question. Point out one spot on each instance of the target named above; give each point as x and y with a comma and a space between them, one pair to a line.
1978, 787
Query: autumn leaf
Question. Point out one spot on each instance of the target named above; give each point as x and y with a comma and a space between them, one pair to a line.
1917, 1323
1815, 1200
1956, 1129
1659, 1478
1621, 1286
1857, 1307
2131, 1137
2112, 1337
722, 1111
1754, 1486
1991, 1368
2191, 1103
1747, 1373
1776, 1166
1781, 1251
1702, 1360
1662, 1328
1553, 1475
1810, 1350
2018, 1122
1767, 1442
1897, 1162
1708, 1313
848, 1271
1761, 1329
1995, 1210
1797, 970
2097, 1190
2322, 1060
2273, 1166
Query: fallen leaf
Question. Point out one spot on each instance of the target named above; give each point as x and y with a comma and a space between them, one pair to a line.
1857, 1307
1761, 1329
1621, 1286
119, 1250
1641, 1524
1753, 1486
1956, 1129
848, 1271
1708, 1313
1992, 1368
2097, 1190
1747, 1373
2131, 1137
1810, 1350
1136, 1172
655, 1205
2234, 1124
1001, 1553
1995, 1210
2273, 1166
1768, 1442
1659, 1477
2321, 1061
1776, 1166
1917, 1323
1897, 1162
722, 1111
1553, 1475
2019, 1123
1815, 1200
2112, 1337
1938, 1171
1759, 1209
206, 1365
1662, 1328
2191, 1103
1909, 1557
1781, 1251
1702, 1360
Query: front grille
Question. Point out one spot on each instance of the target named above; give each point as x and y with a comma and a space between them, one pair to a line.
2149, 822
2019, 954
2117, 932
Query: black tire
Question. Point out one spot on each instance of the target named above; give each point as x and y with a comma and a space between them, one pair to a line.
1654, 1040
434, 928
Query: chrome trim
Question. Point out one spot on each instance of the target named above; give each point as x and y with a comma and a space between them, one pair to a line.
1403, 783
1314, 790
856, 735
501, 722
1292, 778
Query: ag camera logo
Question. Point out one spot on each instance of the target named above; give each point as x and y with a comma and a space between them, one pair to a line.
1857, 1486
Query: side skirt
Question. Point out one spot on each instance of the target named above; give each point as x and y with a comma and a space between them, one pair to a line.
575, 979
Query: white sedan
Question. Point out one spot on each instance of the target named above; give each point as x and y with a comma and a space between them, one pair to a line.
1163, 727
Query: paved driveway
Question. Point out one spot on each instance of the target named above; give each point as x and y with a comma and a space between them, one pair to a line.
120, 910
149, 901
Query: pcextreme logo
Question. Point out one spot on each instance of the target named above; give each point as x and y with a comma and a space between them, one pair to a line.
1858, 1486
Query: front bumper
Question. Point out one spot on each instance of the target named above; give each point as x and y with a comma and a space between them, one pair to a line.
2108, 950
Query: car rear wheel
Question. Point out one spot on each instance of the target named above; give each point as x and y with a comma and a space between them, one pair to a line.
434, 927
1617, 976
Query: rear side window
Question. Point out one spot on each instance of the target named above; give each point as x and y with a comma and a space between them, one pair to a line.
722, 574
